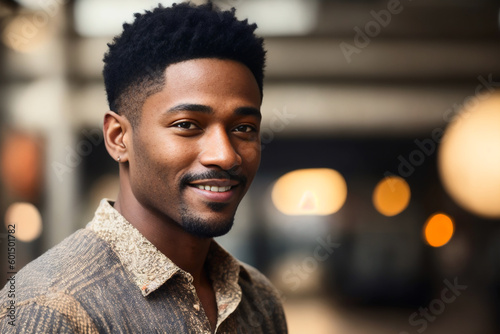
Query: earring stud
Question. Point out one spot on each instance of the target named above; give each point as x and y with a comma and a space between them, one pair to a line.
119, 158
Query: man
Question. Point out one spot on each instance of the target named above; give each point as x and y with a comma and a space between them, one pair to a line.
185, 87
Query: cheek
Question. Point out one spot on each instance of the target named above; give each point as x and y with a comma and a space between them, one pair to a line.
169, 161
250, 155
145, 166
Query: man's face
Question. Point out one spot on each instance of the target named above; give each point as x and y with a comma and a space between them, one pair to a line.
196, 148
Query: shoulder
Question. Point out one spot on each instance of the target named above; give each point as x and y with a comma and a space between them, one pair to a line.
78, 247
42, 293
80, 254
62, 269
52, 313
254, 278
254, 283
261, 293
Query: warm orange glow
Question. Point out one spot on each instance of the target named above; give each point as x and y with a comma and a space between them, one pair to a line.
469, 157
391, 196
26, 220
310, 192
21, 164
438, 230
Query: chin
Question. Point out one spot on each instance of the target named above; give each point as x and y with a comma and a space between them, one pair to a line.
204, 229
215, 226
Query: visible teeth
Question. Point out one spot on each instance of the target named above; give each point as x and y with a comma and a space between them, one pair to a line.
214, 188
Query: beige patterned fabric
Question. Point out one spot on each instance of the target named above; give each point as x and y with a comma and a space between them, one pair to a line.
150, 268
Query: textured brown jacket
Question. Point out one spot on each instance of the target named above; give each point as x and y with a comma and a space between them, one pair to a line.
108, 278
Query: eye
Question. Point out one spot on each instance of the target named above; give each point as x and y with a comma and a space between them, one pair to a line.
244, 128
185, 125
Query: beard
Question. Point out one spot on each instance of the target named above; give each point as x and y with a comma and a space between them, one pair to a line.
204, 228
195, 225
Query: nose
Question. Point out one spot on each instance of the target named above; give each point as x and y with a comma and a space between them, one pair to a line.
218, 150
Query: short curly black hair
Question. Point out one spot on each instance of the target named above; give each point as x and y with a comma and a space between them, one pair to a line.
135, 64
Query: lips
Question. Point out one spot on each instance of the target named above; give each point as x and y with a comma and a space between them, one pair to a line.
216, 190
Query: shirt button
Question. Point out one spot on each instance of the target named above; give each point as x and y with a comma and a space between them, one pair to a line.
196, 307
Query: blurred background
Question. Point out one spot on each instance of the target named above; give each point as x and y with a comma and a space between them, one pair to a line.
377, 205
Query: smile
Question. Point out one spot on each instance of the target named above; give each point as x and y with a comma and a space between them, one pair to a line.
222, 191
213, 188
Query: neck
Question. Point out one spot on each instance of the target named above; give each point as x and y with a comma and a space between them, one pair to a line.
188, 252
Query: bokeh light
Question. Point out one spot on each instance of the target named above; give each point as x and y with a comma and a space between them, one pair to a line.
438, 230
320, 191
469, 157
26, 219
21, 165
391, 196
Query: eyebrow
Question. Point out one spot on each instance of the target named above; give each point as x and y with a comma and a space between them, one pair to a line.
248, 111
191, 107
243, 111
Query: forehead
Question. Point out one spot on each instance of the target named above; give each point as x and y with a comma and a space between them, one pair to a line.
205, 73
212, 82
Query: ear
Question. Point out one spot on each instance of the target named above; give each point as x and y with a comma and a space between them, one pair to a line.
116, 131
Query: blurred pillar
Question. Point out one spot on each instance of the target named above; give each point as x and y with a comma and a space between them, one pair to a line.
37, 99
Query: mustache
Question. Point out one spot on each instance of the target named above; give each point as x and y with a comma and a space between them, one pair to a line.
213, 174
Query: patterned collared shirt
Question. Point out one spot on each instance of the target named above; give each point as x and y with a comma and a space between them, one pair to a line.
108, 278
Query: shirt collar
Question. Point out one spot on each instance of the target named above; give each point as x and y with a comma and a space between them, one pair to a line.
150, 268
